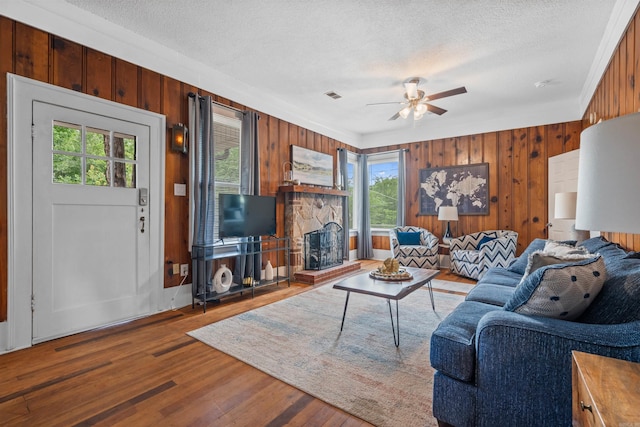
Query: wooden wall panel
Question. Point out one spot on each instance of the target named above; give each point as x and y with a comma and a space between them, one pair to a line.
67, 64
518, 162
31, 53
618, 94
99, 74
126, 84
6, 66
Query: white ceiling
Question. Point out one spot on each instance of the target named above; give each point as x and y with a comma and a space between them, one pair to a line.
281, 56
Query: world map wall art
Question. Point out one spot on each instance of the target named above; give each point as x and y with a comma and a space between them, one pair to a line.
464, 186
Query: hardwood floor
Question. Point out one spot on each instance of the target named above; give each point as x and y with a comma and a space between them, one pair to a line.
149, 372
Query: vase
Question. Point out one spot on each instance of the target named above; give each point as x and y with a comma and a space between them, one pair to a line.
222, 279
268, 271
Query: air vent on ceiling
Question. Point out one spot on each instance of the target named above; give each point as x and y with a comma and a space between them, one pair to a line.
333, 95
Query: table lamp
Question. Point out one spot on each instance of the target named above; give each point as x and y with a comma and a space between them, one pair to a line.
447, 213
608, 176
565, 208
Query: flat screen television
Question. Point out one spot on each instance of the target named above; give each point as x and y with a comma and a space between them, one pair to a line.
242, 215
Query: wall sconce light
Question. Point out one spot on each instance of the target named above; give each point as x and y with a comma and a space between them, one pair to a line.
179, 138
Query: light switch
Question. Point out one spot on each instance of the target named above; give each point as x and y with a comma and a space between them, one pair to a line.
179, 189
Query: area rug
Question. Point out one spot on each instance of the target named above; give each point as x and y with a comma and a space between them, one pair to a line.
298, 341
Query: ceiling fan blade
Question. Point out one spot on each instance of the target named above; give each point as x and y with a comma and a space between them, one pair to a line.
395, 116
435, 110
385, 103
446, 93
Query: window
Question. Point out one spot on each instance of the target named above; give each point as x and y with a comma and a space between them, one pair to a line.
353, 179
383, 189
88, 156
227, 129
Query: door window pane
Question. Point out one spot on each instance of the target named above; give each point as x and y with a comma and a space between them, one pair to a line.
124, 146
98, 172
98, 142
67, 137
124, 175
67, 169
97, 150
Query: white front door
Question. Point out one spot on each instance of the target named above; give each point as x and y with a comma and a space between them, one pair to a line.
91, 240
563, 177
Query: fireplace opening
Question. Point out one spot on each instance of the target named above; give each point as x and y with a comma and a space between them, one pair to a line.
323, 248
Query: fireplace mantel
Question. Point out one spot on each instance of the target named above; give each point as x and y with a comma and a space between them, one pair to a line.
311, 189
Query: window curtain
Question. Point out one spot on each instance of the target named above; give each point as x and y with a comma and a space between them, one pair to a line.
249, 265
365, 246
402, 186
202, 179
344, 184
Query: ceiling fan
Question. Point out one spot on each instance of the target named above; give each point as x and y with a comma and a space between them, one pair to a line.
417, 101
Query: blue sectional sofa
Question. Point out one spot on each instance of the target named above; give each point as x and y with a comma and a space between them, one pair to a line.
496, 367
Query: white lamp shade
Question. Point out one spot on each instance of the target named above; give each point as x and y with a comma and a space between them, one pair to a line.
448, 213
608, 176
404, 113
565, 205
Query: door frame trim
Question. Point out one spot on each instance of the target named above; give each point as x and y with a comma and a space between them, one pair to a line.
21, 92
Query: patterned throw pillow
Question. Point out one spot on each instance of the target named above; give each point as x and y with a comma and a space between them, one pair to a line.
561, 291
520, 263
541, 259
559, 249
406, 238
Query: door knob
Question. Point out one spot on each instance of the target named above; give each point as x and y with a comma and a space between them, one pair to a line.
142, 225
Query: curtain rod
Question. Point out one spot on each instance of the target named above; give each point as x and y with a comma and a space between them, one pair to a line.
193, 95
387, 152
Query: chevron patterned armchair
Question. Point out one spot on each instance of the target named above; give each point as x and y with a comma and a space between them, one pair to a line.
473, 254
414, 247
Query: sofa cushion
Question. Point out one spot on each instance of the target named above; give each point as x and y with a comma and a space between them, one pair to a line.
490, 293
561, 291
408, 238
413, 251
453, 350
594, 244
466, 256
520, 263
500, 276
619, 299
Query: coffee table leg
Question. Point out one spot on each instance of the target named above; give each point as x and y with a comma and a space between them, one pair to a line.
396, 341
433, 305
345, 310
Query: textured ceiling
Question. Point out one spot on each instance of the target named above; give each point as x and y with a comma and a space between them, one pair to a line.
295, 51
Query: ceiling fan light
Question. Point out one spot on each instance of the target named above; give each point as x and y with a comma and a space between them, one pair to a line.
412, 90
417, 115
421, 109
404, 113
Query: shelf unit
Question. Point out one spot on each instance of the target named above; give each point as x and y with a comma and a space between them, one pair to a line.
204, 255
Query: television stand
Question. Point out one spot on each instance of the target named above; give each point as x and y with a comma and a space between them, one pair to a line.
203, 257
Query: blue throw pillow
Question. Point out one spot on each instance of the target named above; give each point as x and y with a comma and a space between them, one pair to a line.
520, 264
485, 239
408, 238
560, 291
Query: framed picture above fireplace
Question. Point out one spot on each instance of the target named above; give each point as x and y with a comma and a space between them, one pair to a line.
311, 167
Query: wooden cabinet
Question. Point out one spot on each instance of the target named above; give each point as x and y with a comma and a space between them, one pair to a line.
606, 391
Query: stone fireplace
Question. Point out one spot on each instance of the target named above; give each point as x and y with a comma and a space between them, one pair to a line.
323, 248
308, 209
